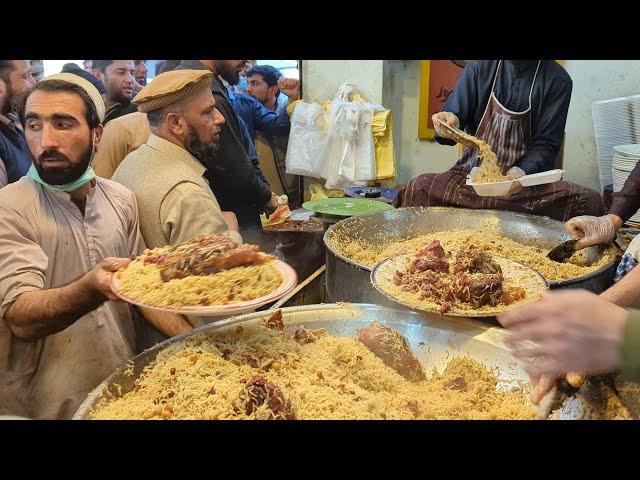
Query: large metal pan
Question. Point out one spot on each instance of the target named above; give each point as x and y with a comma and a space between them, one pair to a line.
348, 280
434, 341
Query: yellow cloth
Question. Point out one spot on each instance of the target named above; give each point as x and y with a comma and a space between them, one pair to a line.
318, 192
382, 129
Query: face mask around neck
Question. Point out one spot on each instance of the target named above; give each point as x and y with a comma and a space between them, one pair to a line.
86, 177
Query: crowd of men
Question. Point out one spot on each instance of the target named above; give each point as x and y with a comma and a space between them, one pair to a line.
97, 164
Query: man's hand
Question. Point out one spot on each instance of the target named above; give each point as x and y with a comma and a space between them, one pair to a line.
272, 206
593, 230
571, 331
290, 87
515, 172
444, 117
99, 279
232, 221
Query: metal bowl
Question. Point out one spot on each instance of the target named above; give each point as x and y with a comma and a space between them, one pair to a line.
348, 280
434, 341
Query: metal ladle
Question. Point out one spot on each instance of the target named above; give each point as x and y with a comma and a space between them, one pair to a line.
562, 252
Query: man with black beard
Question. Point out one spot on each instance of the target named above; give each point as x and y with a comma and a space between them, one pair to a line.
240, 186
63, 233
118, 77
167, 173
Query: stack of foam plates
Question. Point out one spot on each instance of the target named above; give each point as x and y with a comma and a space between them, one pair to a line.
616, 122
625, 158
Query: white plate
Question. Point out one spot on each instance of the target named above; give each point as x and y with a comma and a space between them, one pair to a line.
541, 178
515, 273
631, 151
500, 189
289, 281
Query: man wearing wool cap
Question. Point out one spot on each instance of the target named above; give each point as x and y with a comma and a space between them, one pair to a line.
166, 174
64, 232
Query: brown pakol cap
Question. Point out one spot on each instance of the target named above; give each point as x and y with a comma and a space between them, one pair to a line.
171, 87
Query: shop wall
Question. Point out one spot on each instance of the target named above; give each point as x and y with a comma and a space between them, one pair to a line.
322, 78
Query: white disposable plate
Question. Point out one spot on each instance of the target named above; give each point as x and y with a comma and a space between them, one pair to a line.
289, 281
541, 178
628, 151
500, 189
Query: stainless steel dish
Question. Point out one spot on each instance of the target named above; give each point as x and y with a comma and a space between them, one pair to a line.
348, 280
433, 339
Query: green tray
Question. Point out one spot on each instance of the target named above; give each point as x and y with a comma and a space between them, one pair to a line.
346, 207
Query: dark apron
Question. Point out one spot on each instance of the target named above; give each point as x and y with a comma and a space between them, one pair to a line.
508, 133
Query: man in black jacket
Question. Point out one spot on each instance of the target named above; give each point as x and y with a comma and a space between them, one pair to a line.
239, 186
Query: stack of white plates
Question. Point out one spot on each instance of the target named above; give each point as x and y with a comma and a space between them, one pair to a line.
625, 158
615, 122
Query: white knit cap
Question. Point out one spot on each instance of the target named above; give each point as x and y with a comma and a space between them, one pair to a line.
86, 85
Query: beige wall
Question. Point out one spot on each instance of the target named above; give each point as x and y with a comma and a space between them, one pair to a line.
322, 78
401, 94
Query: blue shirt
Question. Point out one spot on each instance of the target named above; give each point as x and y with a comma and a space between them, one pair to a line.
14, 151
257, 117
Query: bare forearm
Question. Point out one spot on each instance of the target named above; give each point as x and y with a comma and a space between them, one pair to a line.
34, 315
170, 324
625, 292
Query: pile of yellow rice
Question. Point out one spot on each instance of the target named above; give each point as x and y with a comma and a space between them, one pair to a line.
489, 170
333, 378
143, 284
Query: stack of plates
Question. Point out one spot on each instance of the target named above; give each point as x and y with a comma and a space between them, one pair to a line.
625, 158
616, 122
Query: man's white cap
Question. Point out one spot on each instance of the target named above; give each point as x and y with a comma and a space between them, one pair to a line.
86, 85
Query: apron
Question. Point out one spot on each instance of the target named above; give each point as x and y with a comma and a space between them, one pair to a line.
508, 133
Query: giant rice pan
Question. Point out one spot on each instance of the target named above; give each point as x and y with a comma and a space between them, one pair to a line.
361, 250
264, 371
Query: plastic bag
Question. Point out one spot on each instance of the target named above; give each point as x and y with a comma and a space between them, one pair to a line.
349, 154
307, 139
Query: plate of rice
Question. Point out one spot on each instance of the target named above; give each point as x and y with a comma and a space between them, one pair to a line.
469, 282
208, 276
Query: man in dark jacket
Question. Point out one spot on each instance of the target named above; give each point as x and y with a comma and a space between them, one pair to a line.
118, 79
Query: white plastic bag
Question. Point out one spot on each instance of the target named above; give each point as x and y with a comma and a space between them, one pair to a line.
349, 154
307, 139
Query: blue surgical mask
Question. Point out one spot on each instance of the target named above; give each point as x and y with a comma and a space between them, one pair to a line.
243, 83
86, 177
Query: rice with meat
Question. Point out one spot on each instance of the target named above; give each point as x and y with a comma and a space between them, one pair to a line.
142, 282
488, 238
515, 276
208, 376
